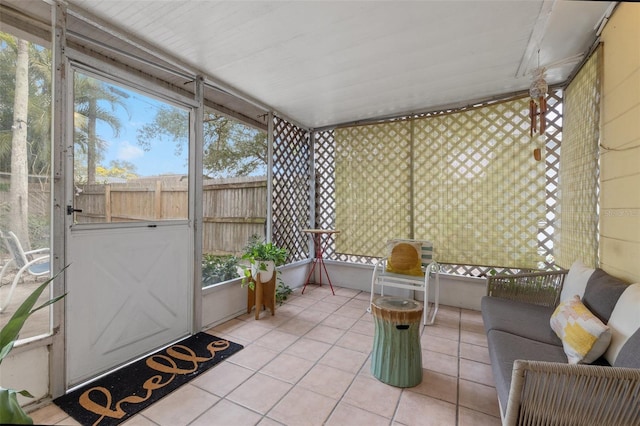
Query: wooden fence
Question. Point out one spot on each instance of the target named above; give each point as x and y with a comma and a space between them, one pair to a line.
233, 208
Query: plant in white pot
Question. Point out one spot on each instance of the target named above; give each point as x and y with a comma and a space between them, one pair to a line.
262, 258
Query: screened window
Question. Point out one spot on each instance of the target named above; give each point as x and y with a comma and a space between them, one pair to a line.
234, 193
25, 173
130, 154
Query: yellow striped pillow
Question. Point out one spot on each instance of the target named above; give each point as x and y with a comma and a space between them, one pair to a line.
584, 337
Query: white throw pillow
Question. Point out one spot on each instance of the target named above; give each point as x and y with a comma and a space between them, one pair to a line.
576, 281
624, 321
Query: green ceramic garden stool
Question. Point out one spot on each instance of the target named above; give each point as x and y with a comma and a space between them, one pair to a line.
397, 356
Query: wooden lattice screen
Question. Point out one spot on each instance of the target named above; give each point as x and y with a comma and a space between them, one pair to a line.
291, 180
577, 234
471, 162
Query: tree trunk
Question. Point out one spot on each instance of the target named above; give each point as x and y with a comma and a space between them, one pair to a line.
19, 192
91, 141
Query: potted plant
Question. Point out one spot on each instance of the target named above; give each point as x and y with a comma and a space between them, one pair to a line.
262, 258
260, 275
9, 406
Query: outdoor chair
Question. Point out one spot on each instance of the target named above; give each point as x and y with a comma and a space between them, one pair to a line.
33, 262
409, 265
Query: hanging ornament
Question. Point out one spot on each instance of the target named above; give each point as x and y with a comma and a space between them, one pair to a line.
538, 102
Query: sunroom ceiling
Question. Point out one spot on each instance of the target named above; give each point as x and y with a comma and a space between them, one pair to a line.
328, 62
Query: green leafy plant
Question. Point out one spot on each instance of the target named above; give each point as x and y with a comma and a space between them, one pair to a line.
256, 252
9, 406
216, 269
282, 292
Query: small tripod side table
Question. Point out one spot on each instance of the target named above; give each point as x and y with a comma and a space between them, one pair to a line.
318, 259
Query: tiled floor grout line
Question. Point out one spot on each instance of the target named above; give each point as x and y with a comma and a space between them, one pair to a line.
316, 362
241, 326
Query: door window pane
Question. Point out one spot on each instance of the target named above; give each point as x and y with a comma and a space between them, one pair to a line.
130, 155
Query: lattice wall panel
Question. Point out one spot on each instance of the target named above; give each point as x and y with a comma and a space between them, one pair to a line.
577, 234
552, 163
325, 188
291, 195
373, 186
479, 193
469, 163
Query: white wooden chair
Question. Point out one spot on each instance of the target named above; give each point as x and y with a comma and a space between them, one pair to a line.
33, 262
409, 265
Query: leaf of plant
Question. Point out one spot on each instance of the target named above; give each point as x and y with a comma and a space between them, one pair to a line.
11, 330
12, 413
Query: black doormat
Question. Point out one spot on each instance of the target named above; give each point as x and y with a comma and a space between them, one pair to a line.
116, 397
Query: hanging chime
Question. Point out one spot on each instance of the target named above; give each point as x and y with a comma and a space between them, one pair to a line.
538, 102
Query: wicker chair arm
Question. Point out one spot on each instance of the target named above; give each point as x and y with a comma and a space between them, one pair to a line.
540, 288
546, 393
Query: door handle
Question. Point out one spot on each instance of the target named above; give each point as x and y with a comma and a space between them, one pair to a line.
71, 210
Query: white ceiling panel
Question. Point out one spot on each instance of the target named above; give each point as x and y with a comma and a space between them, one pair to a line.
328, 62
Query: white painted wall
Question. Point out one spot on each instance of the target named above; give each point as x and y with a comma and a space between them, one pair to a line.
27, 368
455, 290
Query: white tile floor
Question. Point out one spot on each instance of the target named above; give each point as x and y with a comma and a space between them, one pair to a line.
310, 365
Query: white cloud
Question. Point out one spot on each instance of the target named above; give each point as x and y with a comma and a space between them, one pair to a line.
129, 152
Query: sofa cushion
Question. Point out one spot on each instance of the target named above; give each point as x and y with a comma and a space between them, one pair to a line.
584, 337
602, 293
624, 321
504, 348
576, 280
629, 355
519, 318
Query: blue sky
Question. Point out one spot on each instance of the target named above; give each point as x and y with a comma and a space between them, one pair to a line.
160, 159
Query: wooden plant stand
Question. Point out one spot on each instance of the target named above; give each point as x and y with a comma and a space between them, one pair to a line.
263, 295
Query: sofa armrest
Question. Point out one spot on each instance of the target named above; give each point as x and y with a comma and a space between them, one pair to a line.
557, 393
540, 288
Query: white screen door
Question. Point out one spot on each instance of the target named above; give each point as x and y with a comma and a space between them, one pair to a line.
129, 240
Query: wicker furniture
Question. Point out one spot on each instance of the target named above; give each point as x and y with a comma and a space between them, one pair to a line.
534, 382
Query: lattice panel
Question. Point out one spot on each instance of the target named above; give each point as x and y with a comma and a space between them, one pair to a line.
373, 186
325, 200
479, 193
577, 231
467, 163
552, 163
291, 177
325, 189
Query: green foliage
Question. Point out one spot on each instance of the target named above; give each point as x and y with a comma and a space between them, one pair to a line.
94, 101
230, 147
169, 122
39, 112
256, 252
9, 406
216, 269
282, 292
258, 249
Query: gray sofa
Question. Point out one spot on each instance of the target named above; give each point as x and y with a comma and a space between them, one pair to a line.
534, 382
